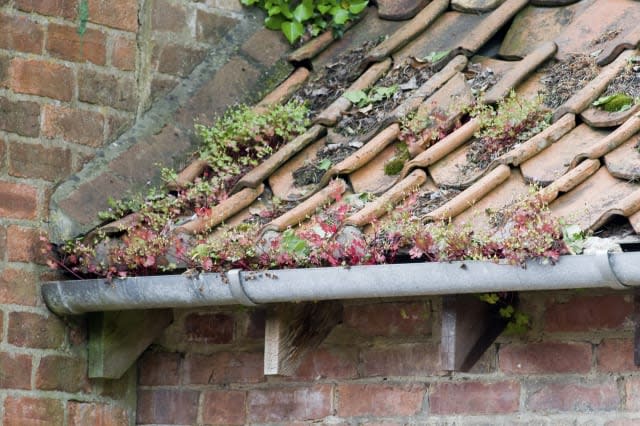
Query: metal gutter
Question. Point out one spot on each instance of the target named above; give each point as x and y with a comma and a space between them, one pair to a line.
614, 270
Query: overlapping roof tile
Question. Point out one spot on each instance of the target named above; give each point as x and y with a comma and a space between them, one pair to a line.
586, 162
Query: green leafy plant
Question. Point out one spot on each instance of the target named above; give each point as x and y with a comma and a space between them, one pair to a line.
395, 165
435, 57
363, 98
297, 18
617, 102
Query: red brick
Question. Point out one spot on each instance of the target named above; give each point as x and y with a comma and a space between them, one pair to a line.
18, 201
224, 407
159, 368
379, 400
84, 413
63, 41
335, 363
266, 47
545, 358
632, 390
289, 404
390, 319
224, 367
179, 60
18, 287
35, 331
587, 313
63, 8
15, 371
30, 160
62, 373
22, 34
116, 125
120, 14
475, 398
123, 55
21, 117
616, 355
26, 411
167, 16
574, 397
42, 78
209, 328
167, 406
107, 89
73, 125
24, 245
415, 359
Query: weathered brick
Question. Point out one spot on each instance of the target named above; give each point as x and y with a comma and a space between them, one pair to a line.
107, 89
21, 117
224, 367
167, 16
159, 368
5, 62
120, 14
176, 59
15, 371
266, 46
212, 27
42, 78
339, 363
24, 245
21, 411
63, 41
85, 413
616, 355
389, 319
379, 400
167, 406
475, 398
123, 55
116, 125
289, 404
31, 330
73, 125
18, 287
224, 407
18, 201
37, 161
1, 325
3, 247
209, 328
62, 373
20, 33
632, 390
63, 8
587, 313
545, 358
414, 359
252, 324
231, 84
554, 397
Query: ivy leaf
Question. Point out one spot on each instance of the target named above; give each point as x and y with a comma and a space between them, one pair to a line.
274, 22
284, 8
324, 164
304, 11
381, 93
324, 8
249, 2
358, 6
356, 97
292, 30
275, 10
340, 15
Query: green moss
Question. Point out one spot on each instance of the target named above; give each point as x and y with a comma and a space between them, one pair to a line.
615, 103
395, 165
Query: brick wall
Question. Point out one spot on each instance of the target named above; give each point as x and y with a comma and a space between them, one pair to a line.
380, 367
67, 101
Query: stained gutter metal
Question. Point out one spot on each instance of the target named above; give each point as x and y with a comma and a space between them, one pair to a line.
618, 271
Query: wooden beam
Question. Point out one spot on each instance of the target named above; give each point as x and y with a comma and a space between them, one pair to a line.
291, 330
469, 328
116, 339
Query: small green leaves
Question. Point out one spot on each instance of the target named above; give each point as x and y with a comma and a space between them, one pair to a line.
297, 18
356, 97
361, 98
617, 102
324, 164
434, 57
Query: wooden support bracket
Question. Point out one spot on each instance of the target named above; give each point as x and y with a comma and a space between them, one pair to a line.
469, 328
116, 339
291, 330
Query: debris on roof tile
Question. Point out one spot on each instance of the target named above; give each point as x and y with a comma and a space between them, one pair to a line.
419, 116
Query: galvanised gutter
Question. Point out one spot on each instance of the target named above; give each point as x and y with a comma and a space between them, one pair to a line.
614, 270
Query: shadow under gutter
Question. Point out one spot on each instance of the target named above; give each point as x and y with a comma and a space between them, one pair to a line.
613, 270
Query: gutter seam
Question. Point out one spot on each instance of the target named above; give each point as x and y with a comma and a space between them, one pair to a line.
237, 288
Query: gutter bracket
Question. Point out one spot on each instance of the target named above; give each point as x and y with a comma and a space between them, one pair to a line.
237, 289
617, 282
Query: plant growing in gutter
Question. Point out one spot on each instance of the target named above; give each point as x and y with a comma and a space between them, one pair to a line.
514, 121
297, 18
